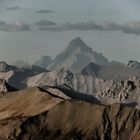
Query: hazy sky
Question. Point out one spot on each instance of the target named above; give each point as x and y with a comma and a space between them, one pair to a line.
31, 28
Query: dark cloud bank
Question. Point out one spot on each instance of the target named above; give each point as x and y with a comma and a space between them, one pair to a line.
132, 27
13, 8
44, 11
45, 22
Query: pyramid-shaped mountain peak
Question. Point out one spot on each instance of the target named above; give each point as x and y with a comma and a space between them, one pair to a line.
77, 40
78, 43
76, 56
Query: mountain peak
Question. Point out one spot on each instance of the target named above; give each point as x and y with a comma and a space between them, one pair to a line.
77, 40
78, 43
76, 56
133, 64
43, 62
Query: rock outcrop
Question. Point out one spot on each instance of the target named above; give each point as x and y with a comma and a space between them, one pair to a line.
4, 67
133, 64
5, 87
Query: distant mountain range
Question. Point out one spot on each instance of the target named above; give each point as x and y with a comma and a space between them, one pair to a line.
116, 72
78, 59
75, 57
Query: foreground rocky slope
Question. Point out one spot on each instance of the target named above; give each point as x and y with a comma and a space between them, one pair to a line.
60, 113
15, 107
81, 121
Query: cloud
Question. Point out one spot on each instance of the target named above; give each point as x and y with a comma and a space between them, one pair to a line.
13, 8
132, 27
112, 26
44, 11
14, 27
45, 22
69, 26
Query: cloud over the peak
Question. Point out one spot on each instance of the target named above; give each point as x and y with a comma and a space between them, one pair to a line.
132, 27
69, 26
14, 27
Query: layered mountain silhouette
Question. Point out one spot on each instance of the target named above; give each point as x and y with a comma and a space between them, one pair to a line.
4, 67
43, 62
116, 71
21, 64
76, 56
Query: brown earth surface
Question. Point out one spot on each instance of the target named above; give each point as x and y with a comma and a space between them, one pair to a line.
36, 114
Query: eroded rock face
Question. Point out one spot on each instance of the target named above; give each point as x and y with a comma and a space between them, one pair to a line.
107, 91
127, 91
5, 87
75, 120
